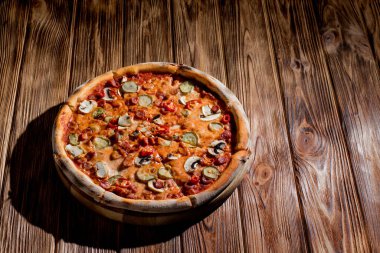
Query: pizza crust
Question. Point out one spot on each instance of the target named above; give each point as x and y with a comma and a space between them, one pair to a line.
82, 182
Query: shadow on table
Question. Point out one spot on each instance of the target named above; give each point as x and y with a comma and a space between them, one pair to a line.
39, 195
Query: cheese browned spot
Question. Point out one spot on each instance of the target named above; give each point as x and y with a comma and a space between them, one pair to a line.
151, 124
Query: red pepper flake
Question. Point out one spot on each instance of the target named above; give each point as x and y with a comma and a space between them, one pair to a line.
169, 106
226, 118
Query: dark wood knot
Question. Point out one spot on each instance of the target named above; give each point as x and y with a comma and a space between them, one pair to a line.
263, 173
308, 142
298, 65
331, 39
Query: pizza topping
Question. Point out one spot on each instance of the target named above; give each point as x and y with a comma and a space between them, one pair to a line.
129, 87
140, 161
124, 120
182, 100
209, 118
74, 150
186, 87
206, 110
98, 113
211, 172
154, 186
213, 126
158, 120
164, 173
101, 170
216, 147
101, 142
226, 118
173, 157
145, 100
164, 142
190, 138
192, 163
73, 139
109, 94
154, 135
145, 174
87, 106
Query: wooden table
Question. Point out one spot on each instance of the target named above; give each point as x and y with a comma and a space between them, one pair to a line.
307, 73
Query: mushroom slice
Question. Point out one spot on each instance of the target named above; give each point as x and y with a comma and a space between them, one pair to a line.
153, 188
74, 150
173, 157
157, 120
101, 170
163, 142
211, 172
144, 174
206, 110
124, 120
182, 100
192, 163
107, 94
209, 118
164, 173
101, 142
87, 106
217, 147
140, 161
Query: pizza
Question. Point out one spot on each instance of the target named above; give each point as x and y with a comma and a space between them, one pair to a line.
151, 137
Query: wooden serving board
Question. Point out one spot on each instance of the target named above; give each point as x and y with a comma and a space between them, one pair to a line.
153, 219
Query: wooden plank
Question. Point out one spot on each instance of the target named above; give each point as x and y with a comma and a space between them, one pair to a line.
327, 185
148, 37
270, 214
13, 22
31, 207
198, 43
370, 11
97, 48
357, 86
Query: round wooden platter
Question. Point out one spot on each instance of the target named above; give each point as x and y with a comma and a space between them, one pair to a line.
152, 218
155, 219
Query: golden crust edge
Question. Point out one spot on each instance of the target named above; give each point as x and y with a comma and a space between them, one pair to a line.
157, 206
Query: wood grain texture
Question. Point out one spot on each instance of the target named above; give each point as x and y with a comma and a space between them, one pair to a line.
97, 48
269, 214
29, 212
328, 191
357, 87
148, 37
13, 22
370, 12
198, 43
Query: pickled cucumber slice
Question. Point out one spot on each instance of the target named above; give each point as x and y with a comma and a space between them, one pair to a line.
186, 87
211, 172
73, 139
129, 87
213, 126
74, 150
144, 175
145, 100
164, 173
190, 138
101, 142
124, 120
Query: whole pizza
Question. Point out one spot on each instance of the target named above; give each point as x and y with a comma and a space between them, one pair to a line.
153, 137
